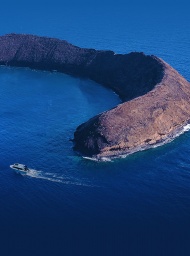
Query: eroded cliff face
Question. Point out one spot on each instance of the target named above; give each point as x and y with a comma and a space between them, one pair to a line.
129, 75
140, 123
157, 97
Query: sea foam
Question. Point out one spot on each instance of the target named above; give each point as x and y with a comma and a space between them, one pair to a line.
53, 178
186, 128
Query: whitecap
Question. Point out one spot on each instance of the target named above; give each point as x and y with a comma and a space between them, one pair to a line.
186, 128
91, 158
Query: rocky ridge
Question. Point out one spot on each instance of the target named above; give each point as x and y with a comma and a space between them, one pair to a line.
155, 96
141, 123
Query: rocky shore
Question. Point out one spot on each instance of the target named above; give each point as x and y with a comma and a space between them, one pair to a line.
155, 96
141, 123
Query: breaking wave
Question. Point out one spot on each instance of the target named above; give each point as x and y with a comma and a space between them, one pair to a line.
54, 178
103, 159
186, 128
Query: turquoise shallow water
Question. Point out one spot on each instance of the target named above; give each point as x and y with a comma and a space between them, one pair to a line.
67, 205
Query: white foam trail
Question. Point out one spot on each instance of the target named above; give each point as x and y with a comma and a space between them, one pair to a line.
90, 158
53, 178
102, 159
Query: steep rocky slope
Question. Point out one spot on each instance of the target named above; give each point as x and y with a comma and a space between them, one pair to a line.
141, 123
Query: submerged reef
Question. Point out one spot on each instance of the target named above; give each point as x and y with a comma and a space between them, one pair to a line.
155, 96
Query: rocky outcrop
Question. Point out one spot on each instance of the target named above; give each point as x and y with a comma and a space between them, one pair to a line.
154, 118
157, 98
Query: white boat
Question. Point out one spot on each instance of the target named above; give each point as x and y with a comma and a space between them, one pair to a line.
20, 168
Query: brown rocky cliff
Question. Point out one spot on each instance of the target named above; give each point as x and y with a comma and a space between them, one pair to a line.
140, 123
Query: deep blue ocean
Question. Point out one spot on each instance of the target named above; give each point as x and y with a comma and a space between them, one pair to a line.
67, 205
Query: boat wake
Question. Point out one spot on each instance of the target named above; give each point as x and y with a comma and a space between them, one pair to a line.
54, 178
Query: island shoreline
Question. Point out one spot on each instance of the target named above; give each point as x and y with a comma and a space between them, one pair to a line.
155, 96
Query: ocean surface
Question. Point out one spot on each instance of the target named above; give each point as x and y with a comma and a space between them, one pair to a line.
67, 205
